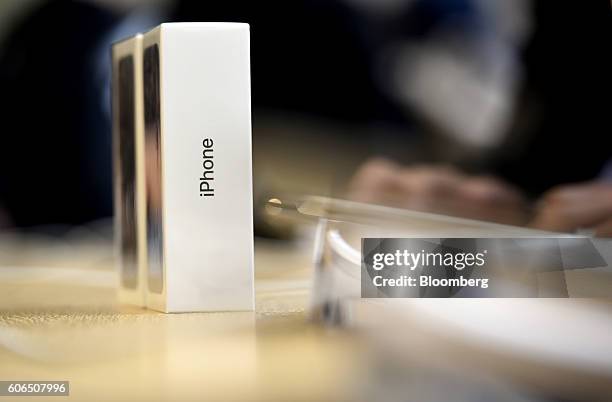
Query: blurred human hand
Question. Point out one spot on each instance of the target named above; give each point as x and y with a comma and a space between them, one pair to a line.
438, 189
576, 206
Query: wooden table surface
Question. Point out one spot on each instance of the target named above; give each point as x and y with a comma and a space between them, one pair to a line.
59, 321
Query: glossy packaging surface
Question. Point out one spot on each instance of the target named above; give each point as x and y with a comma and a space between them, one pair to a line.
128, 143
198, 170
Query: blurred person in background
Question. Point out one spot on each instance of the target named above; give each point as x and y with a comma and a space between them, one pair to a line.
524, 108
511, 93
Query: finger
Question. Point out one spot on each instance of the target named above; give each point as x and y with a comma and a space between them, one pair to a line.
372, 172
571, 207
377, 181
578, 193
569, 217
429, 183
489, 190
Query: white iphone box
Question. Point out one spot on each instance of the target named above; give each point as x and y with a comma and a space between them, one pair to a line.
128, 160
197, 130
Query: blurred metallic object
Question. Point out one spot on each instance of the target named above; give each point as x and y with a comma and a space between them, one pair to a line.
525, 341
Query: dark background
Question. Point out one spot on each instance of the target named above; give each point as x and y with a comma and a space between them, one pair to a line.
323, 100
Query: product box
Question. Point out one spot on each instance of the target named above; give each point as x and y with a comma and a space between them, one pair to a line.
128, 161
197, 152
